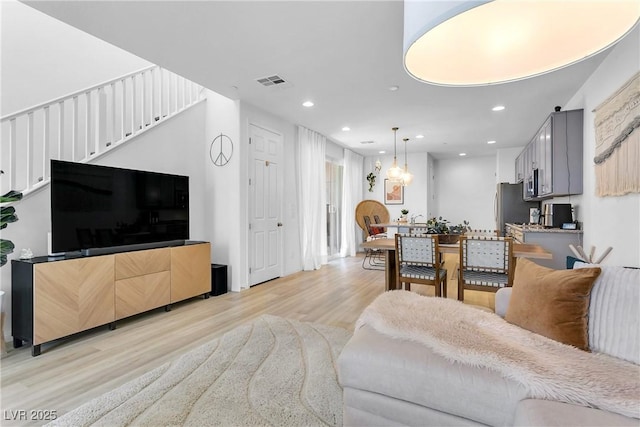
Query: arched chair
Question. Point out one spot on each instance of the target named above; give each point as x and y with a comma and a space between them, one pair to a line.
418, 261
367, 209
486, 264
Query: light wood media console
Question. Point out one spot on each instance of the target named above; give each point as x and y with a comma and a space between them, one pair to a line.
55, 298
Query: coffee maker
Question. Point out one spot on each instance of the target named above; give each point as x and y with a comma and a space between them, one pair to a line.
556, 214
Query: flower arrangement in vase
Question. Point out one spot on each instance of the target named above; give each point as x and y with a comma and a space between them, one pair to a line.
403, 217
448, 233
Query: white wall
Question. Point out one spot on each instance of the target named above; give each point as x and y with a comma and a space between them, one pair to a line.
608, 221
415, 195
505, 164
43, 58
222, 206
465, 190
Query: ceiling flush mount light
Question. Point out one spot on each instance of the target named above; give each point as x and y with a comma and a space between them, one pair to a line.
307, 104
462, 154
491, 142
419, 136
394, 173
407, 177
346, 129
394, 88
480, 42
498, 108
381, 152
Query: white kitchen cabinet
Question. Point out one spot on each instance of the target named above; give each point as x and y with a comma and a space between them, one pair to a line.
554, 154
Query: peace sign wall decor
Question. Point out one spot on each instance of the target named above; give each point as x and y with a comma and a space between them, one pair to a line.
221, 150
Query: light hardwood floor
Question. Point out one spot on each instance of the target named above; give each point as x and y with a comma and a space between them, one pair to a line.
72, 371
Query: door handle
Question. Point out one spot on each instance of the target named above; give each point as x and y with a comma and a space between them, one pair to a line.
279, 224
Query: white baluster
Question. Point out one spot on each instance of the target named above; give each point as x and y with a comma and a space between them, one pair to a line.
143, 99
184, 93
12, 154
133, 105
160, 90
60, 129
29, 158
97, 120
74, 128
175, 88
113, 114
45, 144
87, 124
123, 111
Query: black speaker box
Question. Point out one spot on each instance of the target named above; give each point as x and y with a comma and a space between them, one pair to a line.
218, 279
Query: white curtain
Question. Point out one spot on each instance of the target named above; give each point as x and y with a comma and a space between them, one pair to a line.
352, 177
312, 194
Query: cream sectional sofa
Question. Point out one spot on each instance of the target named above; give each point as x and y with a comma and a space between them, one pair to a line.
389, 381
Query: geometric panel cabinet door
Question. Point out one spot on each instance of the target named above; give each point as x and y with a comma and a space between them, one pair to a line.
71, 296
142, 293
190, 271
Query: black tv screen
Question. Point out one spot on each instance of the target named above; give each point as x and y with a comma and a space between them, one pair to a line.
101, 207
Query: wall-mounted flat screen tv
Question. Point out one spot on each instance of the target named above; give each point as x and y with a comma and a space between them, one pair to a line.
96, 207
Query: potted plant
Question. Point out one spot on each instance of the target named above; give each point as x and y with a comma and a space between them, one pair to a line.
7, 215
448, 233
403, 217
372, 181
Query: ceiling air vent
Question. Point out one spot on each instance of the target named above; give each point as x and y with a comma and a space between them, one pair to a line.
366, 142
274, 80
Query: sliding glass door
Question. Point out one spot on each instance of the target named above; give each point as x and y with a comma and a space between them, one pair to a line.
334, 206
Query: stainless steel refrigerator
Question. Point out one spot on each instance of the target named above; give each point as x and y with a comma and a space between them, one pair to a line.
509, 206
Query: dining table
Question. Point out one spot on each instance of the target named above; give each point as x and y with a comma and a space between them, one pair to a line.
388, 245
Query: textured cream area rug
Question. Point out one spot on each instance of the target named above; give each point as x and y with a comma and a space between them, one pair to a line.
272, 371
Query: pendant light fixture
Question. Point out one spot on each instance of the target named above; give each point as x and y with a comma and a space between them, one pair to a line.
394, 173
407, 177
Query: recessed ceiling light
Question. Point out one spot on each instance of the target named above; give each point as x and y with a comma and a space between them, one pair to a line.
491, 142
498, 108
394, 88
381, 152
462, 154
346, 128
419, 136
307, 104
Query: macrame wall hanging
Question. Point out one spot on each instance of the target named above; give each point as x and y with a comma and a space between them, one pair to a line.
617, 127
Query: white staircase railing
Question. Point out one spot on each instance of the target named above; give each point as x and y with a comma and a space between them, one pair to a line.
86, 124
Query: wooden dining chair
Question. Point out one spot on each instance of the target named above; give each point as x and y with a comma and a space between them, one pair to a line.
418, 261
486, 264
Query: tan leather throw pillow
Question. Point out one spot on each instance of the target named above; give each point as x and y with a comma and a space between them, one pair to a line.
553, 303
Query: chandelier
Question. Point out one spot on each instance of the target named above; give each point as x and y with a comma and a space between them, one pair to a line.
407, 177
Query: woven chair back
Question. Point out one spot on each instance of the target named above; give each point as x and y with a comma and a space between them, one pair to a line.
490, 254
417, 249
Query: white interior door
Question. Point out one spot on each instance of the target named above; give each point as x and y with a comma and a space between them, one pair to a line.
265, 242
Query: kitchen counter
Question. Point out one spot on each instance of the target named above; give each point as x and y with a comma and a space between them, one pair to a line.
540, 229
555, 240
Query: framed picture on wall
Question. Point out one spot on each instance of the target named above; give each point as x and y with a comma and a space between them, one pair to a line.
393, 193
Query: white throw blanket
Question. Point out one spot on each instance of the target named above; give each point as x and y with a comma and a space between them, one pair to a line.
547, 369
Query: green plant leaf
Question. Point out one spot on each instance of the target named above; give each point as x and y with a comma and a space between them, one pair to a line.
6, 247
11, 196
3, 260
6, 218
